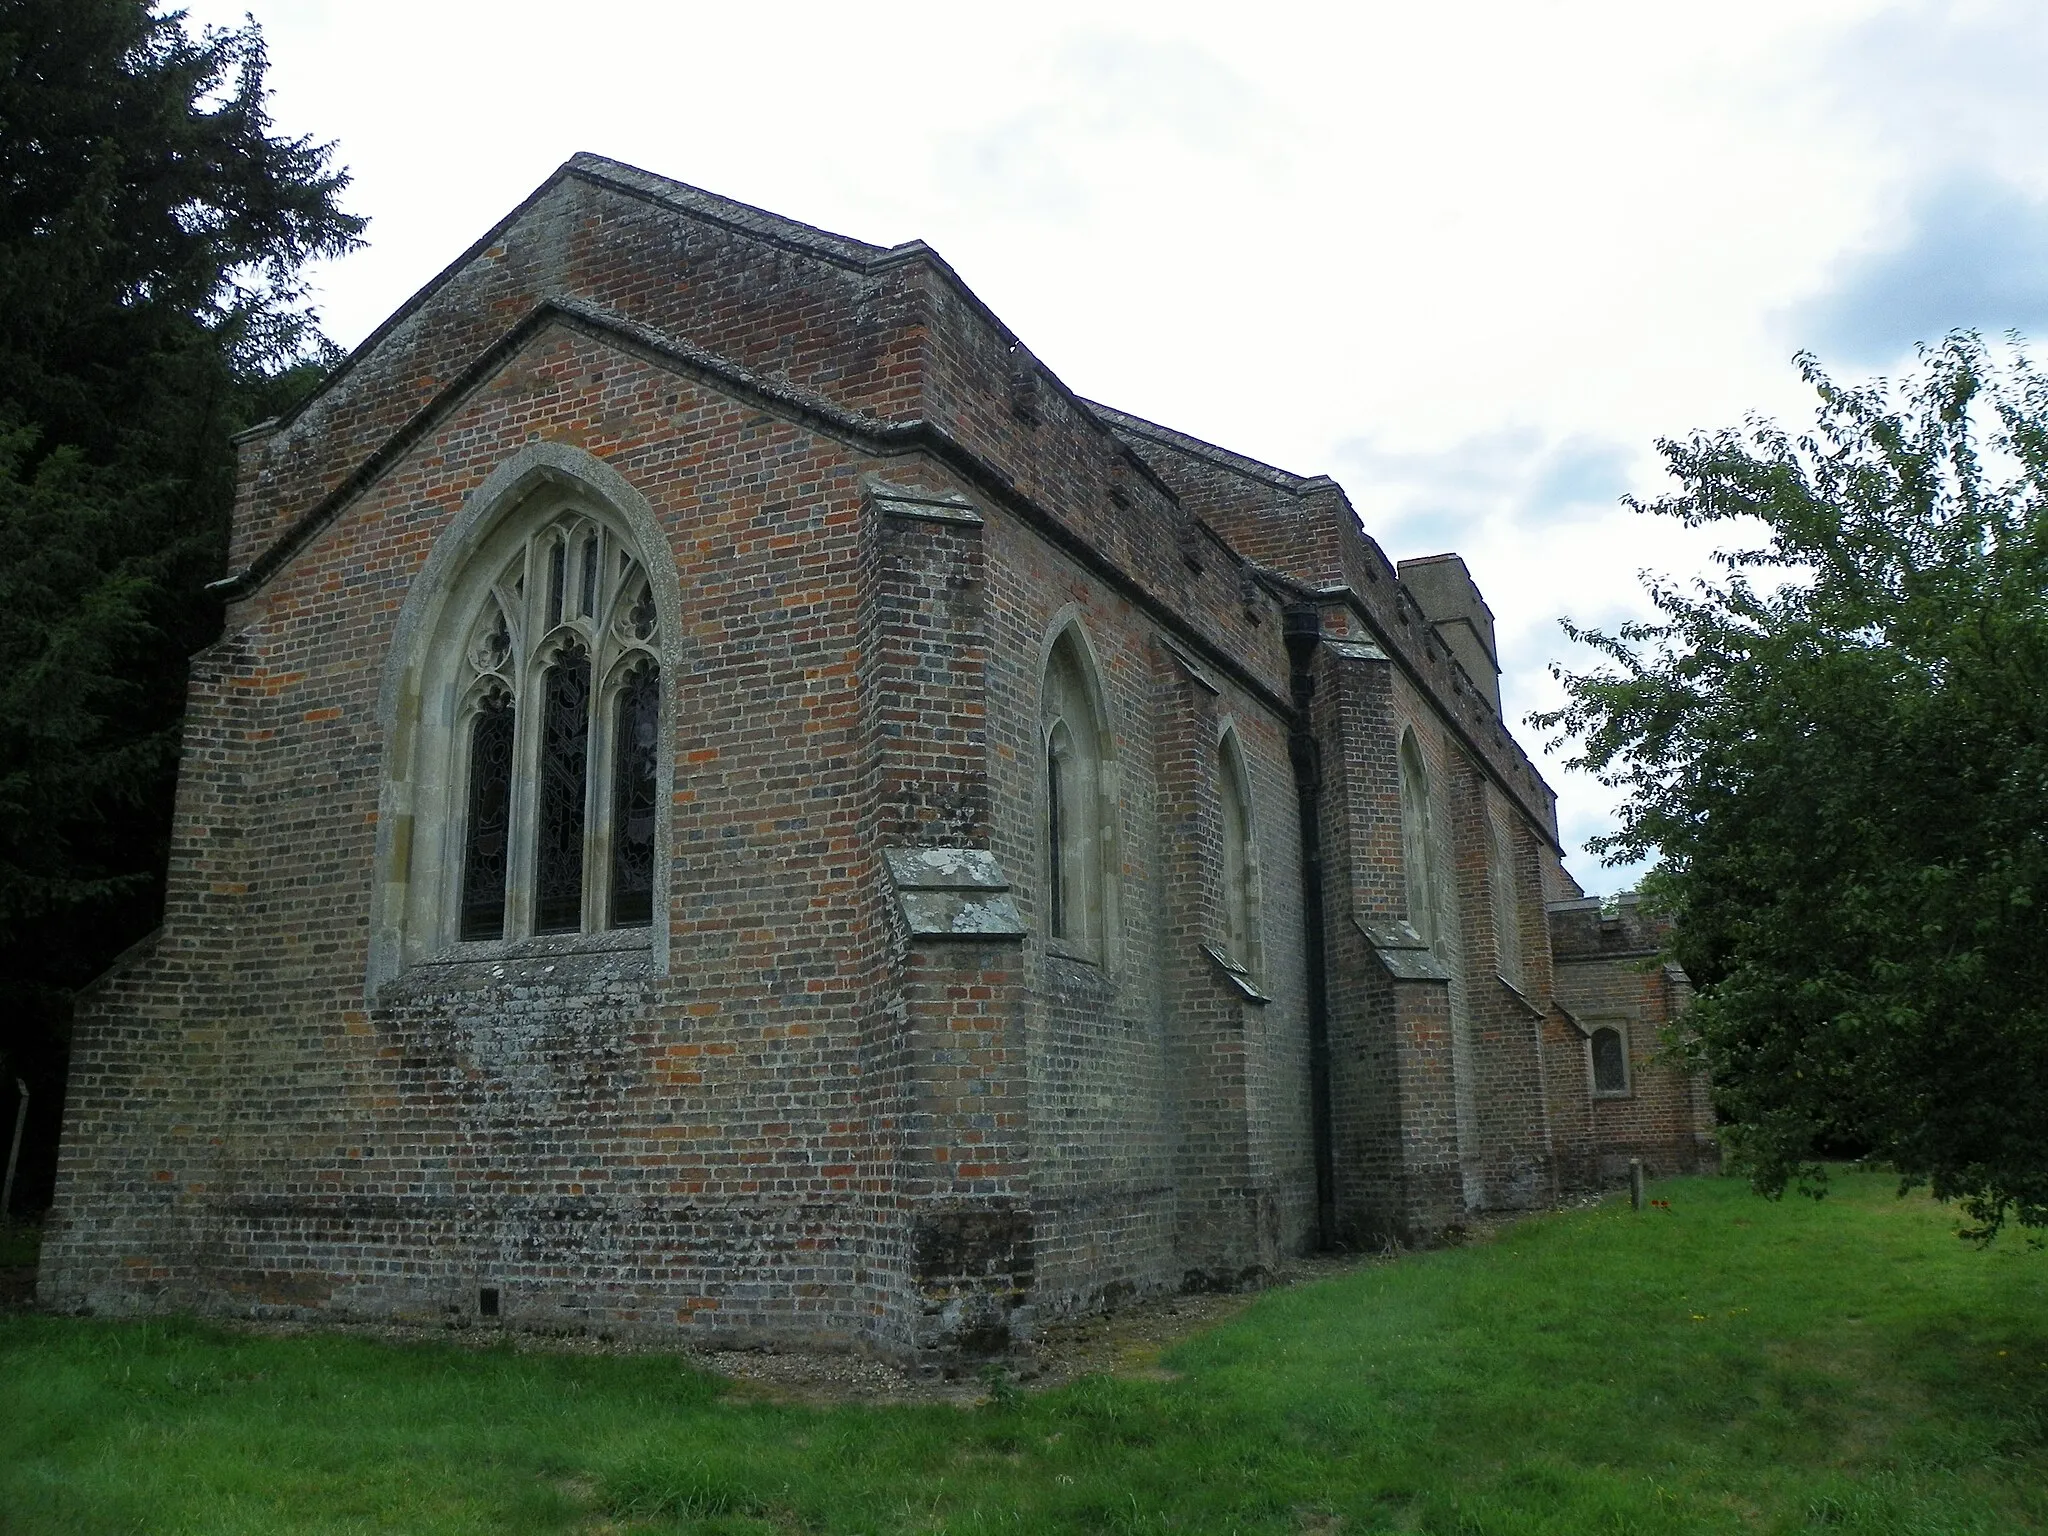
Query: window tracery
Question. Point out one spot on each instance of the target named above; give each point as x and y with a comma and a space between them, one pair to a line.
558, 728
490, 816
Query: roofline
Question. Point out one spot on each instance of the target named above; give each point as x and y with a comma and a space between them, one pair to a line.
783, 232
1240, 463
480, 367
865, 432
1279, 582
730, 213
405, 311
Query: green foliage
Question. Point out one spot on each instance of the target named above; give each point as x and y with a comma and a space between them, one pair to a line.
1726, 1366
153, 236
1838, 752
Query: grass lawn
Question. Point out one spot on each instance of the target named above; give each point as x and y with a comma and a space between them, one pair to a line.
18, 1242
1731, 1365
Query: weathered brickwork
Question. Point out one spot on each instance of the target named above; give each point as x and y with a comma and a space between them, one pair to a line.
1610, 974
859, 1081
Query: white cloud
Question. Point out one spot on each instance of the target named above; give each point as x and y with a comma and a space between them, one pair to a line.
1973, 252
1541, 525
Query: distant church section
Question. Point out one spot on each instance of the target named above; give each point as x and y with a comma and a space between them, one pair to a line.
730, 804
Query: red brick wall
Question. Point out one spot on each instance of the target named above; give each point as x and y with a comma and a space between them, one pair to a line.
1610, 971
795, 1118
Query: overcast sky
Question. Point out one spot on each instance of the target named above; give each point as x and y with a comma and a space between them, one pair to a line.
1470, 259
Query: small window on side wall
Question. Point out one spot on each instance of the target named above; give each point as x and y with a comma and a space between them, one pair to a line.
1507, 918
1418, 843
1240, 856
1610, 1061
1078, 831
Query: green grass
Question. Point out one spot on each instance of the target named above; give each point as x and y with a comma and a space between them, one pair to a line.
1729, 1366
19, 1242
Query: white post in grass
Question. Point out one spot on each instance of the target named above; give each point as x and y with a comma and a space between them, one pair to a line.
1635, 1183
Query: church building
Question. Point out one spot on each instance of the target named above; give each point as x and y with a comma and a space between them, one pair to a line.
731, 805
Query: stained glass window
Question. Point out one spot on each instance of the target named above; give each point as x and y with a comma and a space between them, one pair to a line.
559, 737
564, 793
633, 792
1059, 870
489, 826
557, 555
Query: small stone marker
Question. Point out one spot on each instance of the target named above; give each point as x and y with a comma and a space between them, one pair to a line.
1636, 1184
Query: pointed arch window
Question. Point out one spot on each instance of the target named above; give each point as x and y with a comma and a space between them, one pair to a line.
1240, 855
485, 852
1507, 917
1065, 895
557, 732
1418, 842
1078, 803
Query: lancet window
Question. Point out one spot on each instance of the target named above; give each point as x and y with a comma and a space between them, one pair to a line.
1240, 856
1418, 843
1078, 804
557, 731
1507, 920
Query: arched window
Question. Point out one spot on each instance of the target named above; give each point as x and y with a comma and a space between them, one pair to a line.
561, 698
1507, 917
1240, 856
1079, 815
525, 723
529, 802
1610, 1060
1418, 842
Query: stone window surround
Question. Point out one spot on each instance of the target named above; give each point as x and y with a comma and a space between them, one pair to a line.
1423, 881
1239, 873
1074, 721
1620, 1026
421, 806
512, 644
1501, 841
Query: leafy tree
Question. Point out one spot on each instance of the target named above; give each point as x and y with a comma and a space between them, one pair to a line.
154, 232
1837, 750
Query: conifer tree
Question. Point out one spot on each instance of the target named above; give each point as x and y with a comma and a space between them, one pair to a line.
154, 236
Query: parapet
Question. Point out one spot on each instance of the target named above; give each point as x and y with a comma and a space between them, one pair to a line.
1452, 603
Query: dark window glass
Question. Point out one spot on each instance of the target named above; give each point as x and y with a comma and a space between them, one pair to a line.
642, 620
1610, 1064
1056, 830
487, 835
589, 608
557, 556
633, 799
564, 778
